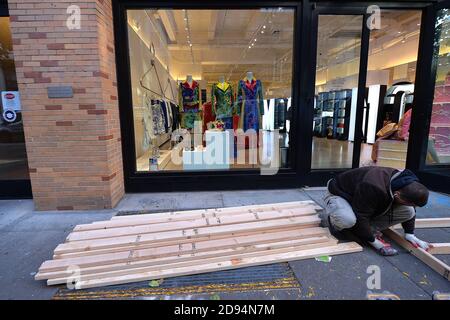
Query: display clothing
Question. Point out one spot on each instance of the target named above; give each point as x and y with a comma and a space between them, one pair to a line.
280, 114
189, 95
208, 115
158, 118
222, 100
250, 103
175, 111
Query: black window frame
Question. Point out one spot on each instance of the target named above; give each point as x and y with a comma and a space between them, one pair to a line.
305, 34
199, 180
13, 189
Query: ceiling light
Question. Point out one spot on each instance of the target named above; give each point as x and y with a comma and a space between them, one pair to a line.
249, 47
264, 27
262, 31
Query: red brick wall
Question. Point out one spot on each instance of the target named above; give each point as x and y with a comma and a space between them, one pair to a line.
73, 144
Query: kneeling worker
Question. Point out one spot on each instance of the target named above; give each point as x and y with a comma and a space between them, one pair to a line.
368, 200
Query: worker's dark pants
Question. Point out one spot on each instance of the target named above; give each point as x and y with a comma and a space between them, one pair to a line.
342, 216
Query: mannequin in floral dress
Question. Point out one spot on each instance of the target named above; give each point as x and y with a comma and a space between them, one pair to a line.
250, 103
222, 100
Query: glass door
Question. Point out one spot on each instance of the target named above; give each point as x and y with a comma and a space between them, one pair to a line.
340, 41
14, 174
336, 90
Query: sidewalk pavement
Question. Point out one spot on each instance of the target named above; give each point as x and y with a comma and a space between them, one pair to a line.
28, 238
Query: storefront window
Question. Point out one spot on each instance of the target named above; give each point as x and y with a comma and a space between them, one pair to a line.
211, 89
13, 157
438, 151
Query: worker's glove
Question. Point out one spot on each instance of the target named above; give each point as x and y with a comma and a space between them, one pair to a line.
383, 247
416, 242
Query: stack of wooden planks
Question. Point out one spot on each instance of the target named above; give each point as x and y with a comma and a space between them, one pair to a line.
152, 246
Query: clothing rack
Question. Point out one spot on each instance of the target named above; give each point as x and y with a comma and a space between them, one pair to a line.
160, 95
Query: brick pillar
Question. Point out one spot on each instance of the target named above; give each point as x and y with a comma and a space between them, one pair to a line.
73, 144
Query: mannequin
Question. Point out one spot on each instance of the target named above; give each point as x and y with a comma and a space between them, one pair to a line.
189, 79
222, 102
250, 102
189, 102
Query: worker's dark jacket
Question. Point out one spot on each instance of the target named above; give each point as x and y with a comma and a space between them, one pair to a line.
368, 190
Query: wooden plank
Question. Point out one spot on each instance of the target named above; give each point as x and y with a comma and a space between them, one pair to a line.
426, 257
222, 265
84, 251
179, 249
189, 261
301, 222
179, 225
430, 223
270, 206
147, 219
440, 248
222, 242
188, 258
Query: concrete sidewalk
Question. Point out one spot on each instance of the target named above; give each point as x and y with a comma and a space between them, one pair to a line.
28, 238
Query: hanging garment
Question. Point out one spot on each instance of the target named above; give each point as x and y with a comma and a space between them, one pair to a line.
158, 118
165, 116
148, 129
189, 96
222, 100
208, 115
250, 104
280, 114
175, 110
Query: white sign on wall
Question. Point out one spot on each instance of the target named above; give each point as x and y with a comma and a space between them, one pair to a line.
11, 100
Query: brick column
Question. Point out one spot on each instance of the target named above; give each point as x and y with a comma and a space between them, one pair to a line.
73, 144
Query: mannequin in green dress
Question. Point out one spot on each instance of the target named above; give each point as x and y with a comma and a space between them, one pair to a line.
222, 100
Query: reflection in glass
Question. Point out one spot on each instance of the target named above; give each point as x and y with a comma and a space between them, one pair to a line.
439, 137
13, 157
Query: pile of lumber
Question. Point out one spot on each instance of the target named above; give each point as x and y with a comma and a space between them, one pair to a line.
153, 246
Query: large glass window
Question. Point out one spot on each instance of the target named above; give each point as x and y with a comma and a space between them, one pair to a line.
391, 72
211, 89
13, 157
439, 137
337, 72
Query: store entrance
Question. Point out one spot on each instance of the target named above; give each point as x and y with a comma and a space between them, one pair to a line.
364, 88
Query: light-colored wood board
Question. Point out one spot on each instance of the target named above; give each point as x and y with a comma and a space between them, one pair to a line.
193, 258
180, 225
271, 206
84, 251
202, 259
440, 248
426, 257
223, 265
202, 244
169, 251
148, 219
429, 223
301, 222
135, 264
